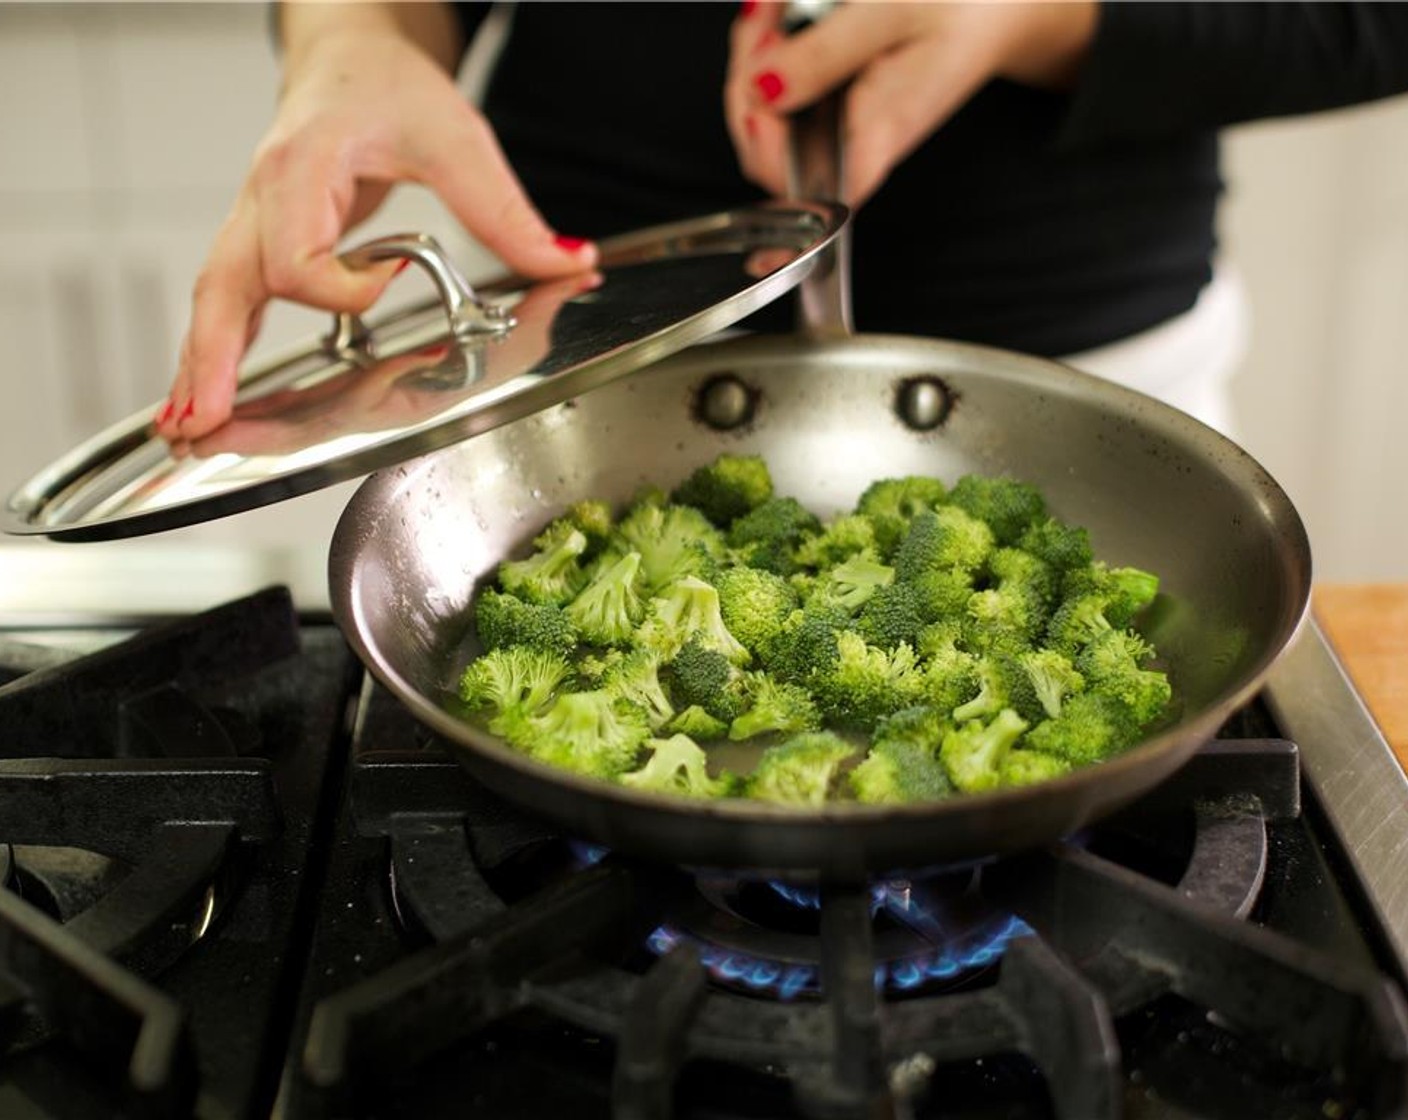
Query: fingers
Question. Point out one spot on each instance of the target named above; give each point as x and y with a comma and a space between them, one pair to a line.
759, 137
472, 176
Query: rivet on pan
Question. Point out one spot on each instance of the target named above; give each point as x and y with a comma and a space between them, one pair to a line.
923, 403
724, 402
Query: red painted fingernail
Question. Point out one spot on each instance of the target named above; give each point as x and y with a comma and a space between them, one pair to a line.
569, 244
190, 409
400, 268
770, 85
747, 8
166, 410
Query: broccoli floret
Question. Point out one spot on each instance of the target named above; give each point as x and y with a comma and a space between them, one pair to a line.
1111, 663
892, 616
1064, 547
1024, 768
591, 518
1126, 591
896, 772
705, 677
698, 724
673, 542
1001, 619
506, 620
922, 726
943, 594
941, 539
513, 677
689, 608
838, 540
593, 733
775, 706
850, 584
950, 674
1040, 682
866, 683
636, 677
1009, 507
973, 754
1016, 570
754, 604
891, 503
677, 765
1077, 622
727, 488
550, 575
1090, 728
801, 771
607, 611
592, 667
805, 648
994, 678
767, 536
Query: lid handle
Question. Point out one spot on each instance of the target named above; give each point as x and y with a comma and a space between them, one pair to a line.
466, 312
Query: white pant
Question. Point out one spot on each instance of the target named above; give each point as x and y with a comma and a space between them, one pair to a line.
1189, 361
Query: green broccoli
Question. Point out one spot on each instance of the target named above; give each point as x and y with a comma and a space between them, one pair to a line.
1002, 619
754, 604
850, 584
1090, 728
1111, 665
591, 518
593, 733
891, 503
1077, 622
1064, 547
1040, 682
550, 575
766, 537
727, 488
775, 706
673, 542
592, 667
801, 771
698, 724
950, 674
607, 611
677, 765
706, 678
1009, 507
943, 594
636, 677
506, 620
1016, 570
942, 539
896, 772
837, 540
1126, 591
513, 677
974, 753
994, 678
1025, 768
893, 616
805, 648
923, 726
689, 608
866, 683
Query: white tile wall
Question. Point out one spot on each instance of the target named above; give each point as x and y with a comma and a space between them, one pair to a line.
125, 131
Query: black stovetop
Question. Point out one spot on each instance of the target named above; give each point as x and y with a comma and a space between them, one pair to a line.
244, 883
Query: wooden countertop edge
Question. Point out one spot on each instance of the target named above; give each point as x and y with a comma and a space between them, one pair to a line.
1367, 624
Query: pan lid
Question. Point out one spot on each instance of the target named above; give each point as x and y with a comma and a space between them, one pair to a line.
379, 391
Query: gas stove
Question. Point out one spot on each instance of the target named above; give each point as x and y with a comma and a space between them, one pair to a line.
241, 882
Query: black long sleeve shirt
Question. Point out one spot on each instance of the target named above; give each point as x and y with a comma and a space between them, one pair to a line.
1039, 221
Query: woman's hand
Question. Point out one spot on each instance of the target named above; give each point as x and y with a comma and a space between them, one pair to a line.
368, 101
910, 67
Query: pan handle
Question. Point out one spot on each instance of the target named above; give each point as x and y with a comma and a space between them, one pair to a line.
815, 170
466, 312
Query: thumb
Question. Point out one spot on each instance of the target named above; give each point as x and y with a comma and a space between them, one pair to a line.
481, 190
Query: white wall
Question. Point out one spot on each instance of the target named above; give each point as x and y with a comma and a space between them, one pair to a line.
124, 133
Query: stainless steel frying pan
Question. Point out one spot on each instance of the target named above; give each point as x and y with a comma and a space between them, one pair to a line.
1154, 487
